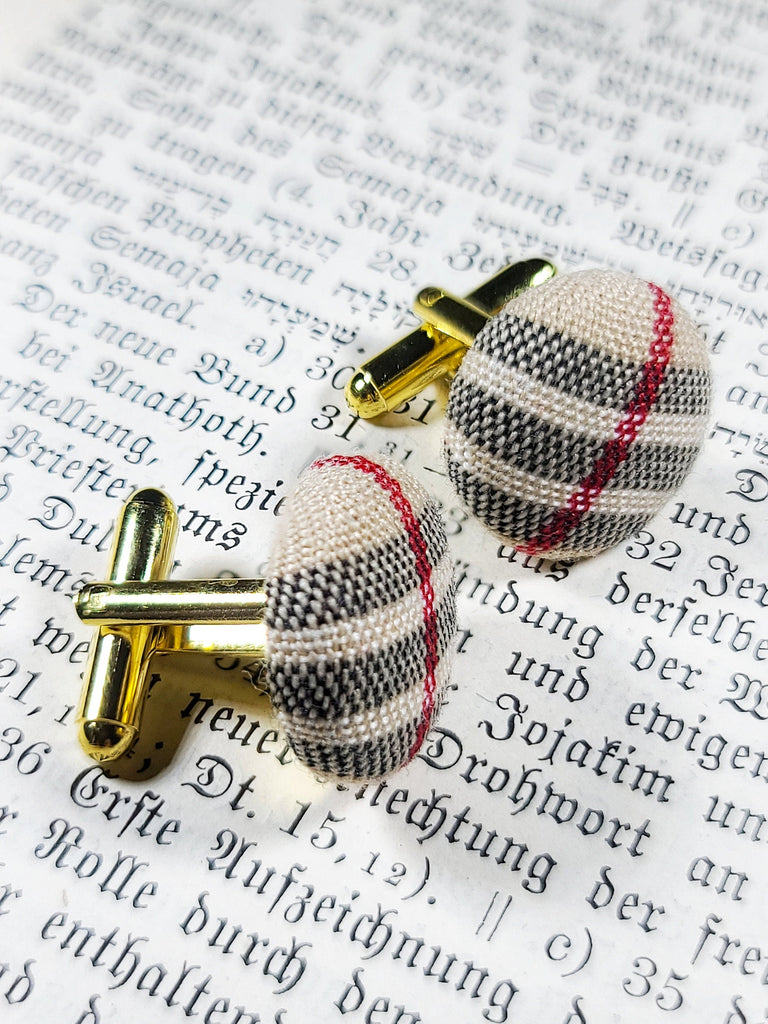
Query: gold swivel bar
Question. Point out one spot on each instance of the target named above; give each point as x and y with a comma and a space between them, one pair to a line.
139, 613
437, 348
116, 673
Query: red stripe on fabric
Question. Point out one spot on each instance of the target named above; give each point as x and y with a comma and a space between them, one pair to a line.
418, 546
617, 449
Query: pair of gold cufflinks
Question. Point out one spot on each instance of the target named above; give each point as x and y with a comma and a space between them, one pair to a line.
577, 406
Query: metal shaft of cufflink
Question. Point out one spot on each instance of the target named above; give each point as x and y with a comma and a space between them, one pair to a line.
437, 347
140, 613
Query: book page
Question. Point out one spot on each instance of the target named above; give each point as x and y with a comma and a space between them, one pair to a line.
211, 212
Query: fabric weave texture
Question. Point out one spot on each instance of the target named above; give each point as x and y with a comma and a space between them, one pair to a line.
361, 616
577, 413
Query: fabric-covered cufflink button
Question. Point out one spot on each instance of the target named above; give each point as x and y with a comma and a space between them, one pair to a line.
576, 409
354, 625
360, 615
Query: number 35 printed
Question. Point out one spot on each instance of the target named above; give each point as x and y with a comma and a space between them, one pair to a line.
669, 997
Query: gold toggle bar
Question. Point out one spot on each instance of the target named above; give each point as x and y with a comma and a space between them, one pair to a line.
437, 347
116, 674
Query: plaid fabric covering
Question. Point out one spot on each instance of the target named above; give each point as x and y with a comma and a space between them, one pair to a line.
361, 617
577, 412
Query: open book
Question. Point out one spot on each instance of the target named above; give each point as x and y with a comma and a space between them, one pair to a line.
211, 212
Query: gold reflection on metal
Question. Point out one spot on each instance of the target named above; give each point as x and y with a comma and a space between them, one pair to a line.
437, 347
139, 613
115, 676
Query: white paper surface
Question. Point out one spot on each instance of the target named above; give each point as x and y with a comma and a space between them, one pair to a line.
196, 195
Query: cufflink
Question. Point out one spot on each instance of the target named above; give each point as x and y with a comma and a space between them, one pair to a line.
577, 406
354, 624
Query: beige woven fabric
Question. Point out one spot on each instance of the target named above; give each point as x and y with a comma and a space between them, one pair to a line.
361, 617
577, 412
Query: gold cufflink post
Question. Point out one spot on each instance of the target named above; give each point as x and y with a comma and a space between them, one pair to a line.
437, 347
139, 613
